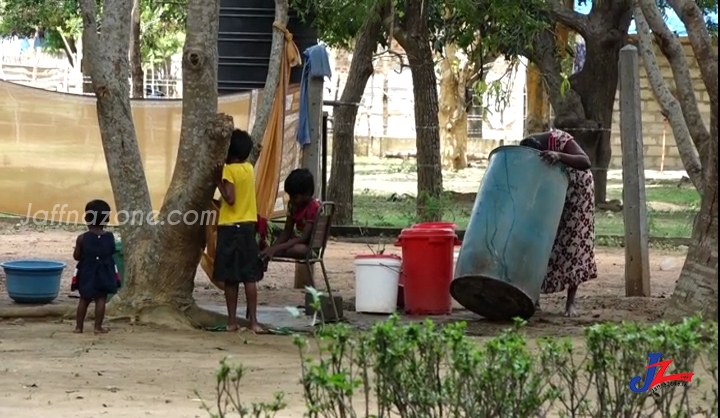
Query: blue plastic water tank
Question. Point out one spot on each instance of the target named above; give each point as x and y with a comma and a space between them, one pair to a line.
505, 252
245, 40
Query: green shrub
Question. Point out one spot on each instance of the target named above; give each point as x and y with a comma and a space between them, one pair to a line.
420, 370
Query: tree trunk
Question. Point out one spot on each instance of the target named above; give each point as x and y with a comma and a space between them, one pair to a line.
342, 178
696, 290
537, 118
272, 81
683, 113
585, 109
161, 258
453, 118
414, 40
138, 90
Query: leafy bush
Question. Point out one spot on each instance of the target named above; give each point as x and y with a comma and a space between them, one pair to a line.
420, 370
227, 396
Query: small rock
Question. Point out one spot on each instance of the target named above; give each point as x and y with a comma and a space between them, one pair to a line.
18, 321
682, 247
667, 264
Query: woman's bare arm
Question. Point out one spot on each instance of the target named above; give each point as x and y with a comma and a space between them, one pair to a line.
574, 156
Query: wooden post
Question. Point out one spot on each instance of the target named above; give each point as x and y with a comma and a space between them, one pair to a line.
311, 151
311, 161
637, 259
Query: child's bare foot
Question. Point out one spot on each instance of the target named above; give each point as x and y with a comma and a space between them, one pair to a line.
232, 328
78, 331
101, 330
255, 328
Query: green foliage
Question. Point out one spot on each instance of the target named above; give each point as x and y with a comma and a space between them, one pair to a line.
337, 21
162, 30
504, 27
228, 400
22, 17
163, 24
421, 370
58, 18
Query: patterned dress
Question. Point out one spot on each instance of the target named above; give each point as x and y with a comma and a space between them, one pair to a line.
572, 261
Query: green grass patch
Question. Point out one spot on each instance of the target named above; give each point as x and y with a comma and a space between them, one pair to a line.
399, 211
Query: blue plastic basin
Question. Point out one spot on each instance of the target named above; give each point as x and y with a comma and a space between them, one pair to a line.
33, 281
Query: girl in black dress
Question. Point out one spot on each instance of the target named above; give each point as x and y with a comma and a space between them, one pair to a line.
96, 275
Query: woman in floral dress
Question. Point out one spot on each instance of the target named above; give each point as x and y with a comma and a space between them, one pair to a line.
572, 261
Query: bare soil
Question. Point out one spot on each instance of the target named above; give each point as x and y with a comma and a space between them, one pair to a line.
136, 371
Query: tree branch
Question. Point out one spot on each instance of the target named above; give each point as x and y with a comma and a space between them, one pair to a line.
672, 49
392, 25
691, 15
107, 57
544, 54
277, 51
90, 36
668, 103
570, 18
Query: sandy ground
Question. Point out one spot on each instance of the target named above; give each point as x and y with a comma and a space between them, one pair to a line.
137, 371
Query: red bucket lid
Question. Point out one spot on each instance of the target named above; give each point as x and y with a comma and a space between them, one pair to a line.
439, 225
375, 256
417, 232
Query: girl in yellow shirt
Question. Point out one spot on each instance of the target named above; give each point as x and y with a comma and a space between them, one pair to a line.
237, 255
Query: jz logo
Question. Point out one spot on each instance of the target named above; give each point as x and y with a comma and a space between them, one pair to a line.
655, 375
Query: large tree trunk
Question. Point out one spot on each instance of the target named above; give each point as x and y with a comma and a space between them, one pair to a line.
161, 258
135, 54
342, 178
697, 288
585, 109
413, 37
453, 117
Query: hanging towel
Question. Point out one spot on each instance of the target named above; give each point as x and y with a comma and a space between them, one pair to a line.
317, 64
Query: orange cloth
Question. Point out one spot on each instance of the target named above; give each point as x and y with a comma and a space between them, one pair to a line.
267, 168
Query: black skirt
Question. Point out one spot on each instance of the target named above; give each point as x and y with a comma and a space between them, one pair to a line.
237, 255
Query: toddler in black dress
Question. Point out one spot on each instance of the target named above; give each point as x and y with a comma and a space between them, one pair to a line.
96, 275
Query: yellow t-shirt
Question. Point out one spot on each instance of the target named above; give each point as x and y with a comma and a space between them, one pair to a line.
242, 177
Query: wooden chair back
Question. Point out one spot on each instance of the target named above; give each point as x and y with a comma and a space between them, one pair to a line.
321, 229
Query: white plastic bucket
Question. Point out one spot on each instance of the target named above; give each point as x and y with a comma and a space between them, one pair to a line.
376, 283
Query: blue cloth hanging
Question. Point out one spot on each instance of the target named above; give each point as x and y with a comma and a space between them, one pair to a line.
316, 64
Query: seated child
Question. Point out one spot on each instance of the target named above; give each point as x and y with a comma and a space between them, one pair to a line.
302, 211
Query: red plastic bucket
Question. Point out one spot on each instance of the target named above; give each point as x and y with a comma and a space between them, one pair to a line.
427, 255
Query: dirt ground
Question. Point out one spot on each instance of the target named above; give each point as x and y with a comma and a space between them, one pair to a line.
136, 371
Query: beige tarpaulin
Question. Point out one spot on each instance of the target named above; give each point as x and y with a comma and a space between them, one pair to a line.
278, 138
51, 155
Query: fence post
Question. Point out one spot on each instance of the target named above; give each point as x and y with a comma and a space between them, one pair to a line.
637, 259
312, 151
